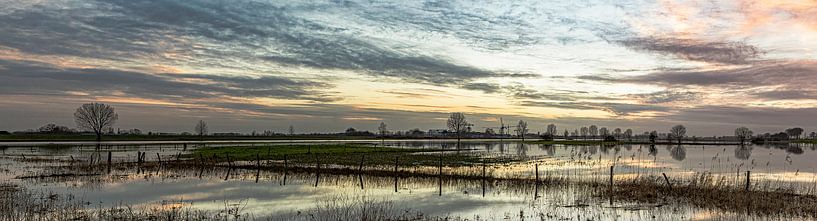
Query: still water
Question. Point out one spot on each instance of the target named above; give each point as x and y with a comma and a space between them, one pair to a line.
786, 165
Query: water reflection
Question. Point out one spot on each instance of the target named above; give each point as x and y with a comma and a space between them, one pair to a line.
678, 153
743, 152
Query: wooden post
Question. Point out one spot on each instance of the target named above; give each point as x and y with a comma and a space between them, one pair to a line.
109, 158
396, 160
440, 176
667, 179
360, 171
748, 176
537, 173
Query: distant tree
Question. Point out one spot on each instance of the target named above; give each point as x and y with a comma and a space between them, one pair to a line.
522, 129
351, 131
96, 117
812, 135
584, 132
201, 129
566, 134
575, 133
617, 133
382, 129
291, 130
743, 133
678, 132
604, 132
54, 129
653, 135
489, 131
594, 130
457, 124
794, 132
628, 134
551, 130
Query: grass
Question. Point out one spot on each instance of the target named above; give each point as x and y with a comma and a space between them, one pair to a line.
574, 142
344, 154
814, 141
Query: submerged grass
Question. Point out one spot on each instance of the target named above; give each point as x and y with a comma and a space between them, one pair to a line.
345, 154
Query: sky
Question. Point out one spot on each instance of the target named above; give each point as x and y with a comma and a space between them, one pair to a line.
323, 66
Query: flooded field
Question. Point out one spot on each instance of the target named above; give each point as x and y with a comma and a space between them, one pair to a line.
541, 182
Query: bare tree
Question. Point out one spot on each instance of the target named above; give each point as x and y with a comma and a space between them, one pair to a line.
521, 129
743, 133
458, 124
604, 133
96, 117
382, 129
617, 133
628, 134
678, 132
584, 132
551, 130
291, 130
594, 130
566, 134
201, 129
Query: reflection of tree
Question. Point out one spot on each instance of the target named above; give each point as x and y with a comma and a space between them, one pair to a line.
490, 147
795, 150
743, 152
678, 153
653, 150
552, 151
521, 149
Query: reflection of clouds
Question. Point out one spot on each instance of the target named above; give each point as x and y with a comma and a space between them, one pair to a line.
678, 153
743, 152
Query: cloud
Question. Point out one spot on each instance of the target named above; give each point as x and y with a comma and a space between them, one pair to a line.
206, 33
620, 109
520, 91
21, 77
668, 96
484, 87
800, 73
696, 50
788, 94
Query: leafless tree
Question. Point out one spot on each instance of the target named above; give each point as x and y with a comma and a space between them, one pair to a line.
457, 124
382, 129
604, 132
522, 129
551, 130
743, 133
584, 132
594, 130
678, 132
291, 131
628, 134
617, 133
96, 117
201, 129
566, 134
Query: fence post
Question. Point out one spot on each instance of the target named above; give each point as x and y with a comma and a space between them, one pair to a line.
667, 179
748, 176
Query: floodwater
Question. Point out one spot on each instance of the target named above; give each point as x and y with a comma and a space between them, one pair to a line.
790, 166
